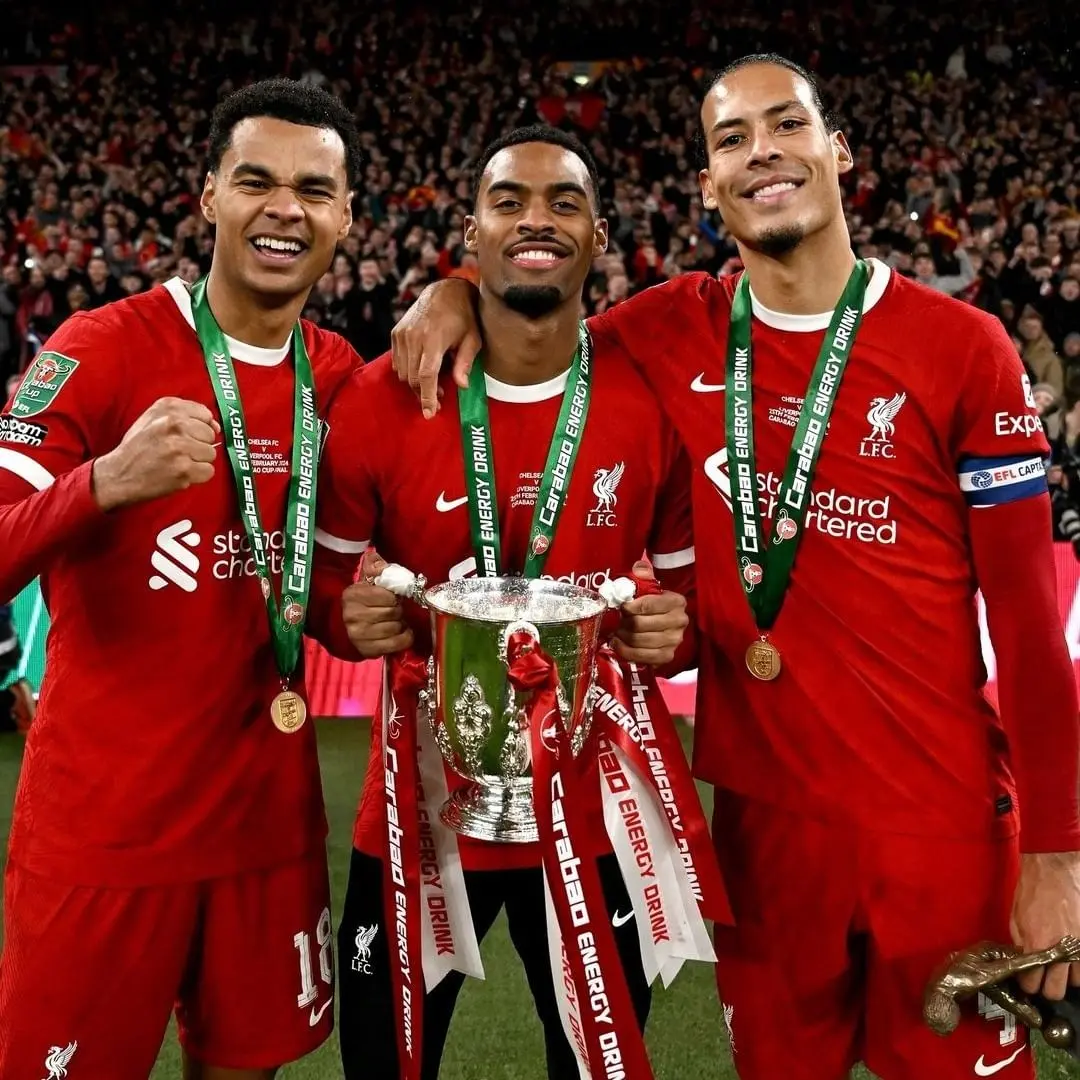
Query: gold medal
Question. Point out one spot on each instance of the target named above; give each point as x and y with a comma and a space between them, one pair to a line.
763, 660
288, 711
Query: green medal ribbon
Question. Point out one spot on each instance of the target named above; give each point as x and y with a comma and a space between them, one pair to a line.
286, 622
555, 482
765, 563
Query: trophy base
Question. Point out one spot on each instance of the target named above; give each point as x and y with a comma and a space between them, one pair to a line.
497, 810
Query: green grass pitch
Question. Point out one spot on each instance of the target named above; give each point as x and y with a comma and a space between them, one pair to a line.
495, 1034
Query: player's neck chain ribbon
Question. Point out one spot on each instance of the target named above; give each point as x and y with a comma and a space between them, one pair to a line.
765, 562
555, 482
287, 619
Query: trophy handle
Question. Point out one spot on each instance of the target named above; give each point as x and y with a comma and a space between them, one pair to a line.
617, 591
401, 581
518, 627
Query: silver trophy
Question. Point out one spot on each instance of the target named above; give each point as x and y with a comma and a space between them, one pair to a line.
478, 719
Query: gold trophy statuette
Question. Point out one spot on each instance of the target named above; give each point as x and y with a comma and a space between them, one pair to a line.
988, 968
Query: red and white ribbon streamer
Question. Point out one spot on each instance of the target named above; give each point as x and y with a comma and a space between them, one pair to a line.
651, 809
403, 676
449, 937
594, 1002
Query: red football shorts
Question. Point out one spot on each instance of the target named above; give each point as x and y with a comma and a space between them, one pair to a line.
838, 931
90, 976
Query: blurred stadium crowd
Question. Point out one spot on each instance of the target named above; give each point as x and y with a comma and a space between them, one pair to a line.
962, 121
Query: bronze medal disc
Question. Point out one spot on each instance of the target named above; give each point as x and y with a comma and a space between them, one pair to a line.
763, 660
288, 711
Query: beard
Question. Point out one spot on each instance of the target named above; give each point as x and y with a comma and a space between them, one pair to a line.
780, 240
532, 301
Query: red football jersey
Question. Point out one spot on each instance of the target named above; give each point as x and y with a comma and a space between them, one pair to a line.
878, 716
153, 757
393, 478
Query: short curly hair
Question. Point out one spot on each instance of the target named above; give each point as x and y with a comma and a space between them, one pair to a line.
289, 100
538, 133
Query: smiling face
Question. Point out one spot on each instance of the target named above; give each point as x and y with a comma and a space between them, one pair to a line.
535, 231
281, 204
773, 166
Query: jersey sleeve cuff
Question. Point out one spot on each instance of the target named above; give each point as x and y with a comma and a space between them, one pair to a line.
342, 547
1050, 840
672, 560
84, 503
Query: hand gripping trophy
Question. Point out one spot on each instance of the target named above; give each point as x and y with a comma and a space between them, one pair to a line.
477, 713
990, 969
523, 697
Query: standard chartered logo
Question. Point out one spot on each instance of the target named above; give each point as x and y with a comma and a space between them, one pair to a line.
176, 558
173, 558
832, 512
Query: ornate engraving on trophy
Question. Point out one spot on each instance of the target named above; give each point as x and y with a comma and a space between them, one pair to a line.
481, 721
426, 707
564, 706
514, 755
584, 724
446, 747
425, 699
472, 719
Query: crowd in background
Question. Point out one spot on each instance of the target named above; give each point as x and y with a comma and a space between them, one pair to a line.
962, 123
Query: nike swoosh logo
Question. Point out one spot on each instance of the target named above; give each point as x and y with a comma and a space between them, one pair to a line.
701, 387
444, 505
317, 1014
982, 1069
618, 920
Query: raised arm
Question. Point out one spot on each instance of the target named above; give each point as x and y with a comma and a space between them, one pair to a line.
63, 462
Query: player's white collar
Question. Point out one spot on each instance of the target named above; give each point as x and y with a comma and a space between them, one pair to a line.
177, 288
500, 391
779, 320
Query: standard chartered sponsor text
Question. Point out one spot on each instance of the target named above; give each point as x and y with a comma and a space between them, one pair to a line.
236, 559
836, 513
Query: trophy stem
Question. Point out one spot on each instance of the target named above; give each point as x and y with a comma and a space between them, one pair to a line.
499, 810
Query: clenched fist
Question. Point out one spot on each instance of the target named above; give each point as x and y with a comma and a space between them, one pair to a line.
374, 618
169, 448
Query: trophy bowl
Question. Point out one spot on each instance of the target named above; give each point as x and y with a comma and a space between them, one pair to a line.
479, 721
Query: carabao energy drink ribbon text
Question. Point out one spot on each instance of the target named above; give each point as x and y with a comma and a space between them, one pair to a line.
590, 988
448, 934
655, 821
286, 620
425, 903
765, 562
403, 675
679, 884
554, 482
